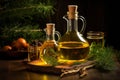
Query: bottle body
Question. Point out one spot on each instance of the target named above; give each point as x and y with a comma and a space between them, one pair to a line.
72, 48
49, 44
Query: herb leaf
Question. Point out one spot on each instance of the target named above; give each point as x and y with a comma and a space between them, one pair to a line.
102, 56
50, 56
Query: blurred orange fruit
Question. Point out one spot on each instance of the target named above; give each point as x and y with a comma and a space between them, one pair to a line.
7, 48
20, 43
27, 45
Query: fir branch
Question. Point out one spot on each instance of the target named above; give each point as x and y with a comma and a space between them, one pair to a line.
41, 6
26, 12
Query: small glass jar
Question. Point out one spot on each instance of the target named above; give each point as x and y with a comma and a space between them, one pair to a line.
96, 36
34, 51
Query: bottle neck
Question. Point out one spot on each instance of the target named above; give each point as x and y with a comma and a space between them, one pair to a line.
72, 25
50, 37
72, 22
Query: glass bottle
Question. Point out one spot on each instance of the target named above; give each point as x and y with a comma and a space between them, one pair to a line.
72, 46
50, 42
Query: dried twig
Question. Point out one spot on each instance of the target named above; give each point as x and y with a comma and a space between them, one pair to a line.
81, 69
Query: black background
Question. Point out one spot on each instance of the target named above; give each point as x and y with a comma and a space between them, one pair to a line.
100, 15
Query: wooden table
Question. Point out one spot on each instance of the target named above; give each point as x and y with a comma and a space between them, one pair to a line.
16, 70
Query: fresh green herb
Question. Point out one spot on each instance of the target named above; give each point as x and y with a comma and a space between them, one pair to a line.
102, 56
50, 56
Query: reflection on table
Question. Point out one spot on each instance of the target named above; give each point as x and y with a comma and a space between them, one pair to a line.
16, 70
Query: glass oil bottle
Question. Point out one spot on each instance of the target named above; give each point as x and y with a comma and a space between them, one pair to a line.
50, 42
72, 46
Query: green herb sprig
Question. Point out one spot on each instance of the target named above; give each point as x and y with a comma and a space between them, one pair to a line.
50, 56
103, 56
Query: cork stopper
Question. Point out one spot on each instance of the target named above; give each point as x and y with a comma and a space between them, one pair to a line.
72, 11
72, 8
50, 27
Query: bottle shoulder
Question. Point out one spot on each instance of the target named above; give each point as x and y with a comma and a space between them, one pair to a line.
72, 36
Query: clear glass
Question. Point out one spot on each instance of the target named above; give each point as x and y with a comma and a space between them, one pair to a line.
72, 46
50, 41
96, 36
33, 52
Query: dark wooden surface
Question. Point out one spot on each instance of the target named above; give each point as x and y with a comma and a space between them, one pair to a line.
16, 70
94, 74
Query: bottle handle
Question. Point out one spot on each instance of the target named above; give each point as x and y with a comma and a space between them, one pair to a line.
58, 35
83, 25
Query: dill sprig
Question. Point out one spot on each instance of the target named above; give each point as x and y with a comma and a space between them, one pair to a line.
103, 56
50, 56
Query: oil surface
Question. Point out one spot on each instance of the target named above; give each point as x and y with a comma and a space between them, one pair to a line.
73, 50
